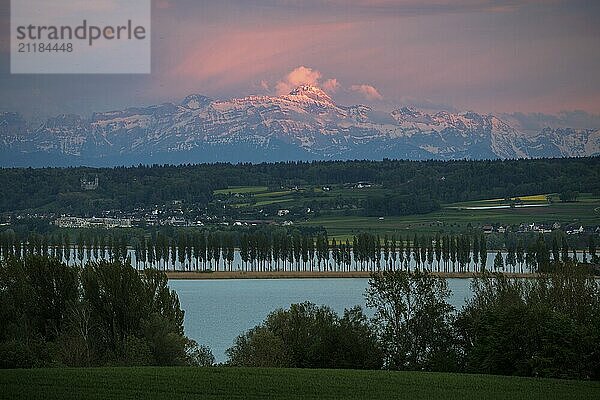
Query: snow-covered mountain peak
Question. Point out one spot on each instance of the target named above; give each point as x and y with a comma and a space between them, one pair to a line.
406, 110
304, 124
312, 92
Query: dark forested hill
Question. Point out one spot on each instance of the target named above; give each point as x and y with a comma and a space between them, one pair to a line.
125, 188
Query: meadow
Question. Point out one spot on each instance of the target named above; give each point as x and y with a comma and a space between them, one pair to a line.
343, 223
246, 383
456, 217
449, 220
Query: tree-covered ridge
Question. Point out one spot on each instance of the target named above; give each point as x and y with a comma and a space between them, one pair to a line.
404, 182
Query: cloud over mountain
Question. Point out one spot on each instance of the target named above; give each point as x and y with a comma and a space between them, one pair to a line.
368, 91
299, 76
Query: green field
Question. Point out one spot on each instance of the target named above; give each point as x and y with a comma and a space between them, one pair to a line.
343, 223
262, 203
241, 190
455, 218
258, 196
241, 383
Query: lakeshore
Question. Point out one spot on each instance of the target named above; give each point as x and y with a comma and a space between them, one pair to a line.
192, 275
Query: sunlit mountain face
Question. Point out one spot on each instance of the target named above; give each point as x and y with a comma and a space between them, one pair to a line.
305, 124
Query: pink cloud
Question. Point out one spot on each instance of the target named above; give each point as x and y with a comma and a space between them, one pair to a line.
331, 85
299, 76
306, 76
368, 91
233, 58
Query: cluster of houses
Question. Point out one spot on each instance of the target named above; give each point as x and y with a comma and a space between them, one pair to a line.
99, 222
539, 228
93, 222
358, 185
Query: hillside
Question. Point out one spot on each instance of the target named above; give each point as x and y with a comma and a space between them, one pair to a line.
388, 187
234, 383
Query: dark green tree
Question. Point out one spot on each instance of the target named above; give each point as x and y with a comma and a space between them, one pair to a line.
412, 320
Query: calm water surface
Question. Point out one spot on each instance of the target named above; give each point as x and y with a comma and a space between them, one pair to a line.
217, 311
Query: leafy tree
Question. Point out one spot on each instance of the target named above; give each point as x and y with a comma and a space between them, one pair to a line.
129, 309
412, 320
498, 262
307, 336
258, 347
103, 313
542, 254
546, 327
199, 355
520, 255
555, 249
36, 293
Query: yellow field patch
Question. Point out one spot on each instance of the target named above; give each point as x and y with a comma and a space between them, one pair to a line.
534, 197
537, 197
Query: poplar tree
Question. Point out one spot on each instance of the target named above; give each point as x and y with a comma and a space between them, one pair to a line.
565, 250
181, 245
430, 252
173, 252
335, 254
498, 262
453, 251
438, 250
592, 249
483, 252
520, 254
475, 252
393, 254
416, 252
67, 248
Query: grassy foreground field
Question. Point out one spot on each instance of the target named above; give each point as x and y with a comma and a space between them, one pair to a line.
242, 383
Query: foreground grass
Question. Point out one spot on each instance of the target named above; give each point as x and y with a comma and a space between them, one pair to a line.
244, 383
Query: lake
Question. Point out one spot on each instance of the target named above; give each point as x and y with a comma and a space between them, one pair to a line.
217, 311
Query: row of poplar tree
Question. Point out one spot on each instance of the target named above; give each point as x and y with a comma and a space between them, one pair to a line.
282, 250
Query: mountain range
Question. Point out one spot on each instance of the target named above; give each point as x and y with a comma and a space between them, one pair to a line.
305, 124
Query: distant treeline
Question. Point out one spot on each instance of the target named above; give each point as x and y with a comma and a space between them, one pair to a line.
412, 186
283, 250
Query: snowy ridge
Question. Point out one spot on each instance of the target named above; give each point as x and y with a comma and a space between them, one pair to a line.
304, 124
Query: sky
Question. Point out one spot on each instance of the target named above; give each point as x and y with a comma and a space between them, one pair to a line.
532, 58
